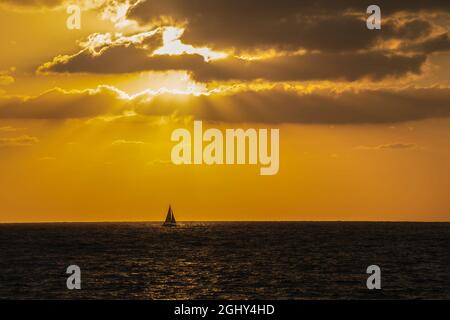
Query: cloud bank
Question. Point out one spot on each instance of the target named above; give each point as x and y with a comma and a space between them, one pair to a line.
266, 106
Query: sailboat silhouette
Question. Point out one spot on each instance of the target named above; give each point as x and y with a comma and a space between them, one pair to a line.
170, 219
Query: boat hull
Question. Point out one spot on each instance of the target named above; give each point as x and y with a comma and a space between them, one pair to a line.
169, 224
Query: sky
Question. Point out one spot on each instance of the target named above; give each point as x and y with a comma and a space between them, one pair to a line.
86, 115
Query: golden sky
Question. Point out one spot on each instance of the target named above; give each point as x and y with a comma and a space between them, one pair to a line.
86, 115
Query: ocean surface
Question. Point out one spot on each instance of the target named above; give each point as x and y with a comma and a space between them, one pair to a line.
225, 260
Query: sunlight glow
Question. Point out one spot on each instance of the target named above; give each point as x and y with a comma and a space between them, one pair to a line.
97, 42
172, 45
116, 12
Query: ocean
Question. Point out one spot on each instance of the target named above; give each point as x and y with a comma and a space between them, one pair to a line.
232, 260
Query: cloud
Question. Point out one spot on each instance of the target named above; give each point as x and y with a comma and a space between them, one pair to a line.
391, 146
9, 129
183, 9
6, 78
60, 104
126, 58
22, 141
319, 107
120, 60
290, 24
296, 41
439, 43
275, 105
127, 142
314, 66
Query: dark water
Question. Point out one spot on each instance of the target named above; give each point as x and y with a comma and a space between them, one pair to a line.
225, 260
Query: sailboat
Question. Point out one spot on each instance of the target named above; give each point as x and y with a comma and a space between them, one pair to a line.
170, 219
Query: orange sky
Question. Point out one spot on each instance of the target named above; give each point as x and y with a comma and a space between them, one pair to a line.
85, 136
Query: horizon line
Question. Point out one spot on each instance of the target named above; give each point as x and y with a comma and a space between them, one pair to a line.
223, 221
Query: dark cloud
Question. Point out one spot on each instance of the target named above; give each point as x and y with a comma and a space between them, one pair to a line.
339, 46
440, 43
252, 10
57, 104
181, 7
267, 106
286, 24
325, 33
277, 106
409, 30
345, 66
122, 55
311, 66
122, 59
